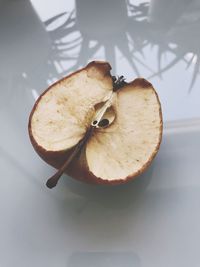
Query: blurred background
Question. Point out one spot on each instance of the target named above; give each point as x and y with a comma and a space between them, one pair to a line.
42, 42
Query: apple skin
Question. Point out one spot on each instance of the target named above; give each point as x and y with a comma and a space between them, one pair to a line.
78, 168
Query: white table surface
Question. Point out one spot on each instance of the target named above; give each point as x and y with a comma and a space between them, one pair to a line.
153, 221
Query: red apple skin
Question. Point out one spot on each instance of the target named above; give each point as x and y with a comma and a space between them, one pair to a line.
78, 168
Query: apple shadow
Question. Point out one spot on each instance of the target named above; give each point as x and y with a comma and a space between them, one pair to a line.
101, 214
112, 196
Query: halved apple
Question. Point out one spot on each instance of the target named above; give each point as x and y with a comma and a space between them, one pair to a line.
120, 146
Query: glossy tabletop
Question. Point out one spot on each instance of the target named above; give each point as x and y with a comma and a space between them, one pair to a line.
153, 221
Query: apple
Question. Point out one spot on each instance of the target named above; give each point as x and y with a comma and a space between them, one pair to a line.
95, 127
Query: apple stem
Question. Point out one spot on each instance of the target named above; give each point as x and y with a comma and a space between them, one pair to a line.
118, 82
53, 180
